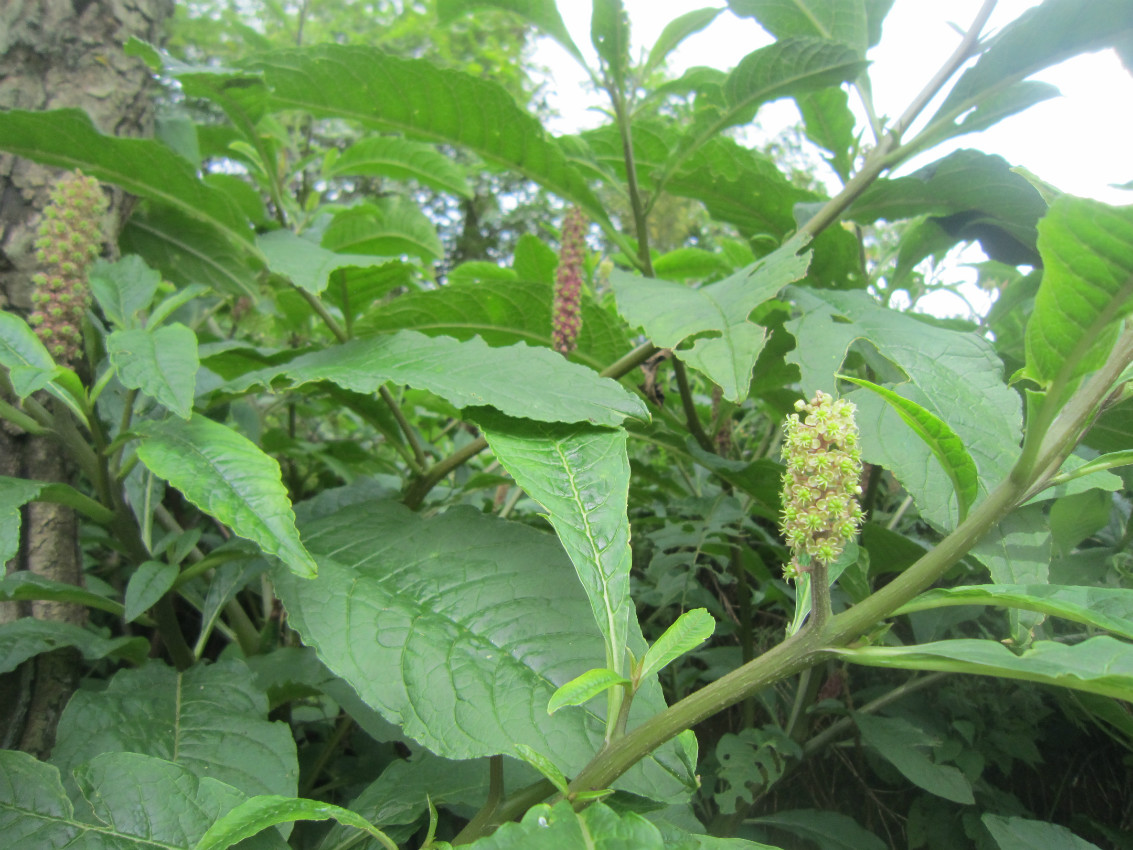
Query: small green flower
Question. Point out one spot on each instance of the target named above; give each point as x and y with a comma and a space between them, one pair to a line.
820, 510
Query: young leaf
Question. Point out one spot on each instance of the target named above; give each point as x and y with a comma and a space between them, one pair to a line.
162, 363
671, 312
256, 814
211, 720
1108, 608
691, 629
465, 373
582, 689
580, 475
1099, 665
148, 584
401, 159
543, 764
676, 31
1086, 290
903, 745
123, 289
941, 440
226, 475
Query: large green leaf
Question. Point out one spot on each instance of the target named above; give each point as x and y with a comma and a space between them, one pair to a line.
416, 97
580, 475
29, 364
1023, 834
542, 13
672, 312
226, 475
907, 748
162, 363
123, 289
307, 264
132, 802
401, 159
1100, 665
610, 35
256, 814
955, 376
1086, 290
535, 383
210, 720
845, 21
458, 628
388, 227
25, 586
1109, 608
66, 138
1017, 551
828, 830
24, 638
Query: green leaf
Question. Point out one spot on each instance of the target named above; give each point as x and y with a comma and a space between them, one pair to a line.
536, 383
1100, 665
676, 31
24, 586
1017, 551
991, 109
828, 830
123, 289
955, 376
1013, 833
162, 363
132, 802
941, 440
580, 475
535, 260
750, 763
1110, 460
902, 744
559, 827
610, 35
542, 13
31, 367
691, 629
1086, 290
1075, 518
477, 623
307, 264
17, 492
671, 313
543, 764
227, 476
66, 138
1109, 608
211, 720
687, 262
401, 159
416, 97
388, 227
582, 689
148, 584
258, 813
27, 637
830, 125
501, 312
844, 21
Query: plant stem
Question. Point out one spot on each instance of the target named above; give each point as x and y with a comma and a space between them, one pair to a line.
406, 429
420, 488
334, 742
747, 634
692, 420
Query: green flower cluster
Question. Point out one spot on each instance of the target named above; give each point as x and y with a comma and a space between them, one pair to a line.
821, 513
70, 238
566, 316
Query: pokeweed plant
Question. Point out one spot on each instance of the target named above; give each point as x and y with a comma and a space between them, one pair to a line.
284, 412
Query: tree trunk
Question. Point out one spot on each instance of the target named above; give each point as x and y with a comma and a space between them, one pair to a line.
55, 54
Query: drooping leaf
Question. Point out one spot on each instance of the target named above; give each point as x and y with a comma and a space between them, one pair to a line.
536, 383
133, 802
123, 289
211, 720
671, 313
1086, 290
580, 475
162, 363
1109, 608
401, 159
956, 376
148, 584
543, 764
307, 264
689, 631
256, 814
1099, 665
21, 639
66, 138
904, 746
416, 97
991, 109
1014, 833
844, 21
829, 124
458, 628
542, 13
675, 32
226, 475
25, 586
581, 689
941, 440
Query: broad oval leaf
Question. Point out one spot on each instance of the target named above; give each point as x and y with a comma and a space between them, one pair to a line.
401, 159
388, 227
162, 363
226, 475
123, 289
691, 629
307, 264
581, 689
941, 440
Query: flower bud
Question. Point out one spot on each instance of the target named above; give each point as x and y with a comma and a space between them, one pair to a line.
821, 513
566, 313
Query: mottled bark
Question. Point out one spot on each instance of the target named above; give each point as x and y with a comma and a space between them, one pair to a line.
56, 54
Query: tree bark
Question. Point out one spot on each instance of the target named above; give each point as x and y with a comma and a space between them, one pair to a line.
56, 54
